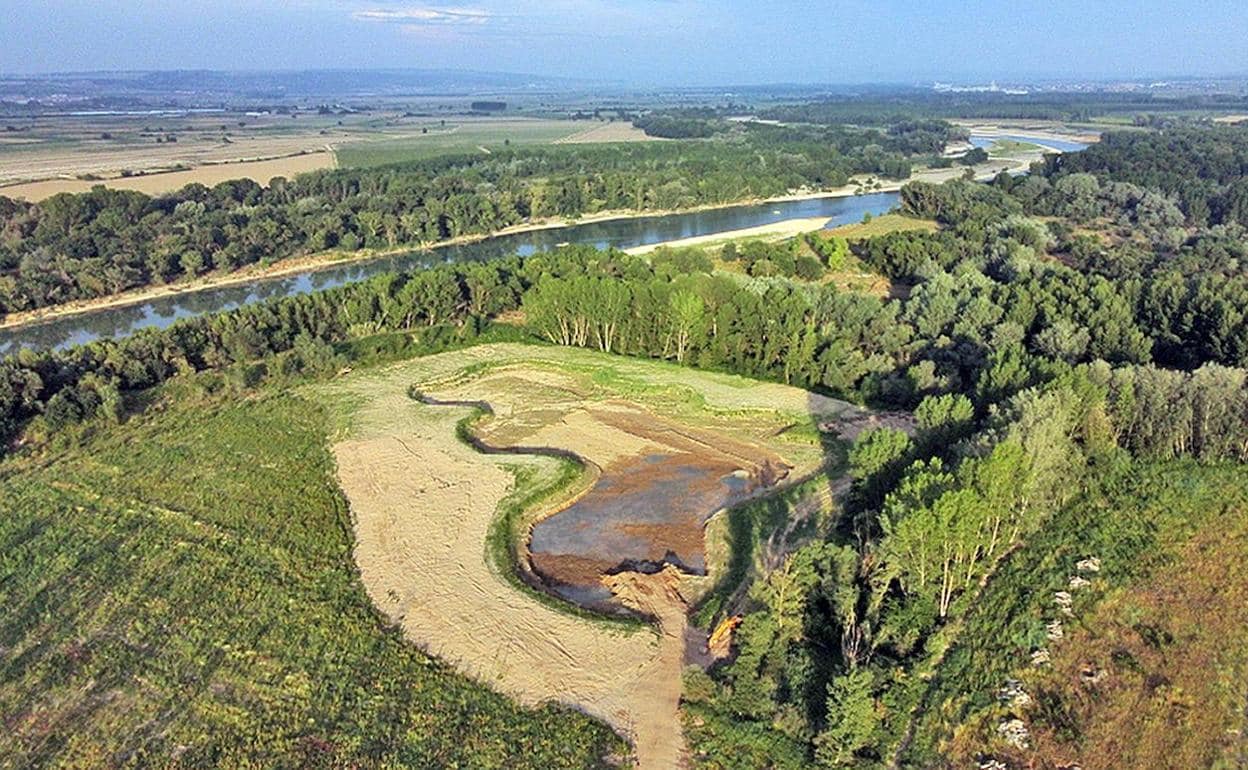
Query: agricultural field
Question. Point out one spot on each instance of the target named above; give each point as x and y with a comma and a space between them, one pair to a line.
260, 171
42, 156
102, 148
443, 529
429, 137
179, 591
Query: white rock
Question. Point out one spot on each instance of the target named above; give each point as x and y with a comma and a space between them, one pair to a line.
1054, 630
1090, 564
1015, 733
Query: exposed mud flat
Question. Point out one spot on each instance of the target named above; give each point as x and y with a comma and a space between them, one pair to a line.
643, 514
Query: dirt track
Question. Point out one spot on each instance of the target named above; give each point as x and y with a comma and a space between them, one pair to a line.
423, 503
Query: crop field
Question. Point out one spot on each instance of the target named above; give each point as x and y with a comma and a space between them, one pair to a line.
473, 135
155, 154
259, 171
100, 148
427, 506
179, 592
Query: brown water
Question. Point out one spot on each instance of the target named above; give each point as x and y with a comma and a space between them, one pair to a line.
641, 515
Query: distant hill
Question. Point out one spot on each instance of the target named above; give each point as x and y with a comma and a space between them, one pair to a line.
203, 87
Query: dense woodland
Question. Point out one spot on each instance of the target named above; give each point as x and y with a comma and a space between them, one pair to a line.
1065, 340
885, 107
73, 247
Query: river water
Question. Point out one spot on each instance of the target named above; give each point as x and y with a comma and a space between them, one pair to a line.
1047, 142
620, 233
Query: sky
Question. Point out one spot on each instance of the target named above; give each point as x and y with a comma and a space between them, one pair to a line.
642, 42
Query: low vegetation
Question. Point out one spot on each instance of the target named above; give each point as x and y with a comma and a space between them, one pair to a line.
181, 592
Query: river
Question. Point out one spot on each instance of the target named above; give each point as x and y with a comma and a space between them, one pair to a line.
1047, 142
622, 233
158, 313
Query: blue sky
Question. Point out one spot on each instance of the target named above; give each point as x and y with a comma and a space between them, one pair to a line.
640, 41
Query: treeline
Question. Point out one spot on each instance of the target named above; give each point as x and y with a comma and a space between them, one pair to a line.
835, 656
898, 134
1205, 168
73, 247
990, 312
683, 123
908, 104
987, 320
1184, 288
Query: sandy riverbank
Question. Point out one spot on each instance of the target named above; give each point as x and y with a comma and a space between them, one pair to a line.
1030, 129
785, 229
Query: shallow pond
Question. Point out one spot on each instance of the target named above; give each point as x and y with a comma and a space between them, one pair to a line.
642, 514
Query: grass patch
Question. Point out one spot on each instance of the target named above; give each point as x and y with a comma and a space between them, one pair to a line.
180, 592
882, 225
457, 137
1012, 148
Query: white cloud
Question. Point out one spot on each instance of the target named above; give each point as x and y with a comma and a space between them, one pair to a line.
409, 17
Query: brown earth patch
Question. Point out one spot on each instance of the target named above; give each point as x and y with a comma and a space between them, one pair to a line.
1156, 676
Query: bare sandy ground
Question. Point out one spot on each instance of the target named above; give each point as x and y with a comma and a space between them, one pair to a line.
422, 507
261, 171
1040, 130
785, 229
423, 502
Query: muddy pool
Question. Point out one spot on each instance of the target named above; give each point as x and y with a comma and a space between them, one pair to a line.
642, 514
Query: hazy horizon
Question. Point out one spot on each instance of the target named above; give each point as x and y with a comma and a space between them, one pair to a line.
638, 42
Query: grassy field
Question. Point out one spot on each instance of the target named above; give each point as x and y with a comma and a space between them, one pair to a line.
460, 135
180, 592
1012, 148
882, 225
